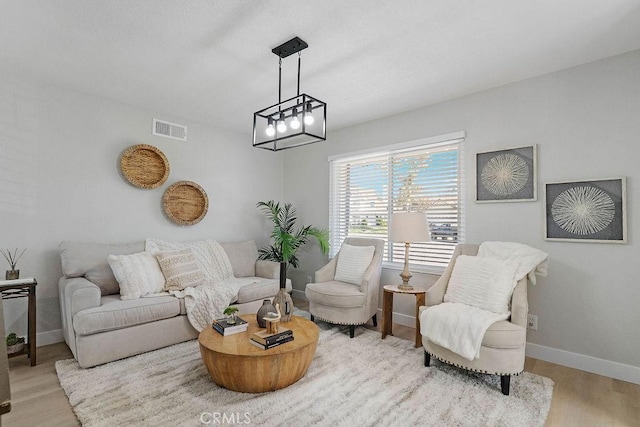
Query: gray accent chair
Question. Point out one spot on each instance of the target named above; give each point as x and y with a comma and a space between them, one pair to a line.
503, 346
344, 303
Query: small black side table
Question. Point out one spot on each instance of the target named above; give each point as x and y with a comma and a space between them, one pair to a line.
21, 288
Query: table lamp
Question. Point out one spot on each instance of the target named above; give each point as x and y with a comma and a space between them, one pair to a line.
408, 227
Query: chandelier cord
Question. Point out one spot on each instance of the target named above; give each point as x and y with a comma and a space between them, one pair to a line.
280, 81
299, 62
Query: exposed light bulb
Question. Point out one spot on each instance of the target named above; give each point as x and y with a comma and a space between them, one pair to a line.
270, 129
295, 123
308, 117
281, 126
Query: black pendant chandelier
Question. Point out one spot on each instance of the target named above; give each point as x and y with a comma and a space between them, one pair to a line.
297, 121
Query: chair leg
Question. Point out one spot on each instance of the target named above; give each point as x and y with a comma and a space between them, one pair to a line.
375, 320
352, 331
312, 318
427, 359
504, 382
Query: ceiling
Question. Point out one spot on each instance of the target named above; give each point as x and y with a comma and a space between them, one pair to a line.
210, 60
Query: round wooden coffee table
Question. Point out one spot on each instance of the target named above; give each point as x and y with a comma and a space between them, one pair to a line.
236, 364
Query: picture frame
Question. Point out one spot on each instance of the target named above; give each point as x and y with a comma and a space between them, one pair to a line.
588, 211
509, 175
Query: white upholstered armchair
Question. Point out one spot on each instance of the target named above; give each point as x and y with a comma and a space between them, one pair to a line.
502, 351
346, 290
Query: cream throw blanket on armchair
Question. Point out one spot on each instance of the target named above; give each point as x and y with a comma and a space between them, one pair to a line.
530, 261
476, 284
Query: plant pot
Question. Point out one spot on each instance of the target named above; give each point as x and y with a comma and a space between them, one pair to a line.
283, 298
231, 319
12, 274
16, 348
286, 304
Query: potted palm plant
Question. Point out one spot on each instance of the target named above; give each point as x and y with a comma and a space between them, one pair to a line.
286, 240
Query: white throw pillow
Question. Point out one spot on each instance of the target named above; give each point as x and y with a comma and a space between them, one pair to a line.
482, 282
137, 274
353, 262
210, 256
180, 269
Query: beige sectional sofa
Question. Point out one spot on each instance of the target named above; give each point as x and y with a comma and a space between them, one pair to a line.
99, 327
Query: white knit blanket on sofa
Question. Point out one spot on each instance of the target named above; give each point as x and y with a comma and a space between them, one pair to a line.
208, 301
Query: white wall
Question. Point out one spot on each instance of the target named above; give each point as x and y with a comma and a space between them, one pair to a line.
586, 122
60, 180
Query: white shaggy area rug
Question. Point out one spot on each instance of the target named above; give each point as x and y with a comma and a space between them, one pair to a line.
364, 381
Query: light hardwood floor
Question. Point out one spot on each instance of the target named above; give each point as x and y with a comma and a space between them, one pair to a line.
579, 398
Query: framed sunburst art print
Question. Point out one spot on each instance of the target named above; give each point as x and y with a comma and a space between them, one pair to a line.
507, 175
587, 211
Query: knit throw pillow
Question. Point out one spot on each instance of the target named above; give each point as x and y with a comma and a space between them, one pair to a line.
209, 254
482, 282
137, 274
180, 269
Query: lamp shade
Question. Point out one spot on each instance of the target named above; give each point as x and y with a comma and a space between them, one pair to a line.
409, 227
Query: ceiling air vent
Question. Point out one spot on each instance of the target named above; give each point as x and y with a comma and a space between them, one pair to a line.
169, 130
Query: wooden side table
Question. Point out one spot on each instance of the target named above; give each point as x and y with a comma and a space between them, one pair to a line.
21, 288
387, 309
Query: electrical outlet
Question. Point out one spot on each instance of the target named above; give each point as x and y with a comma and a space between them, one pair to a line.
532, 322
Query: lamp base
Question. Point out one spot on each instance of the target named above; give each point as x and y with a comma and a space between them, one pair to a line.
405, 275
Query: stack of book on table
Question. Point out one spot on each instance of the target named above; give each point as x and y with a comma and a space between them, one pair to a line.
266, 341
223, 327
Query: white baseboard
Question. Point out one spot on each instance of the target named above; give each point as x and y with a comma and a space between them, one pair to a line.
582, 362
400, 319
594, 365
49, 337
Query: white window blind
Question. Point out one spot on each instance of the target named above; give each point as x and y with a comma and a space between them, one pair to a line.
367, 189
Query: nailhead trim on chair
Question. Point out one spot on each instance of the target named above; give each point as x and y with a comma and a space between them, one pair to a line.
339, 323
471, 369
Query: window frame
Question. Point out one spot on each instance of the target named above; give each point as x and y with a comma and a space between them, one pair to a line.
434, 142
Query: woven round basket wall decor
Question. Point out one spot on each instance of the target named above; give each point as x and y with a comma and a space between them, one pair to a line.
185, 203
144, 166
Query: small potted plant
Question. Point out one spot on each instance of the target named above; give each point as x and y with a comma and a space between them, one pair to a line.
12, 259
15, 344
230, 312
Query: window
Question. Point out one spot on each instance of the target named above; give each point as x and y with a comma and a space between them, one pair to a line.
420, 176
